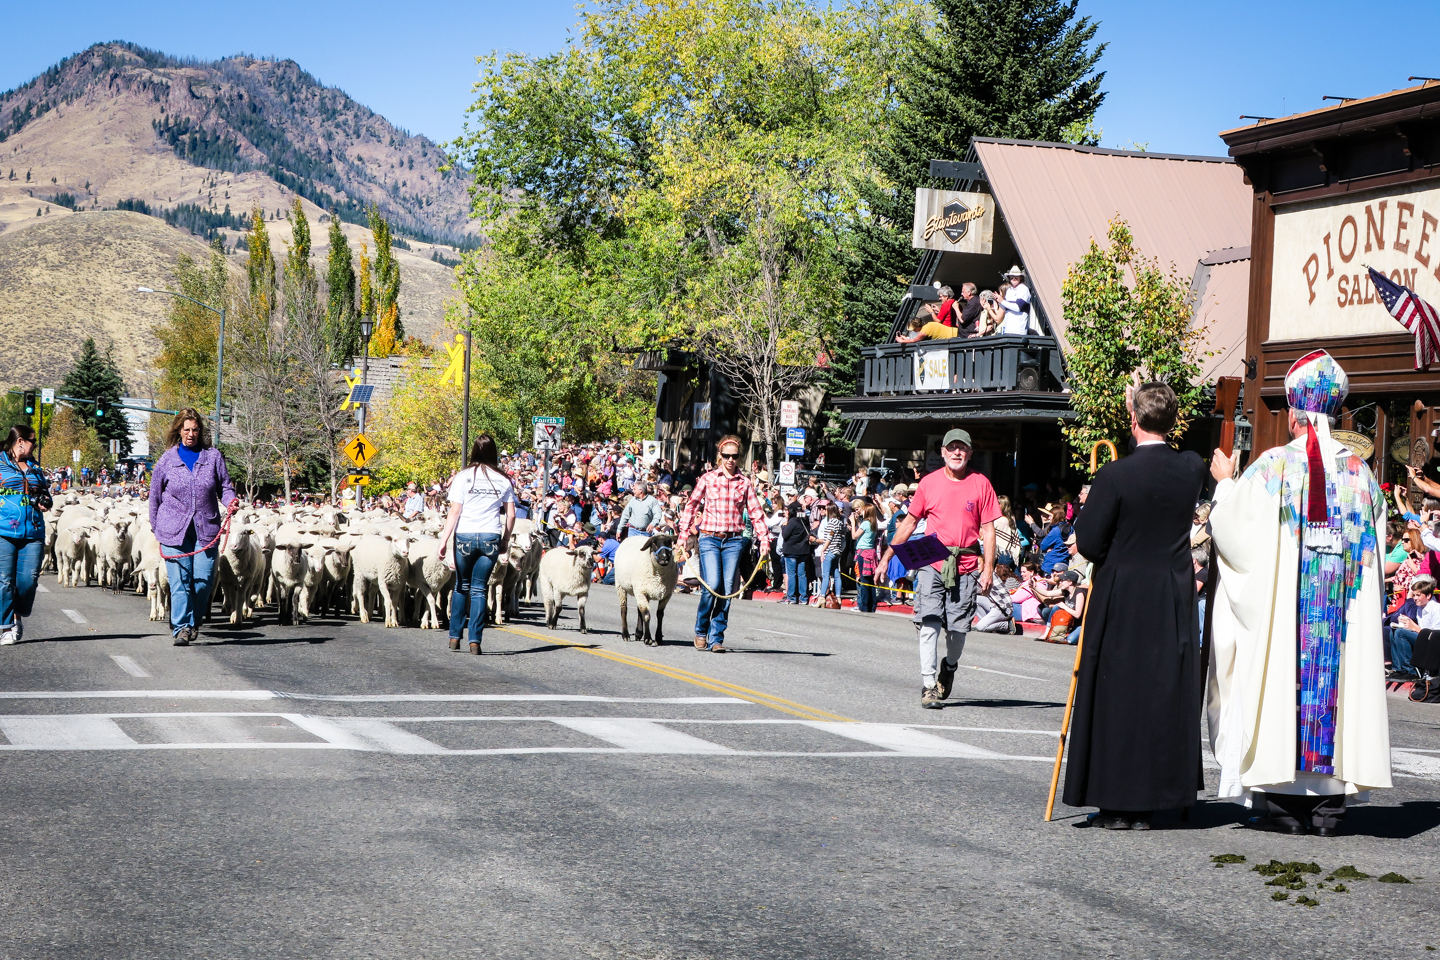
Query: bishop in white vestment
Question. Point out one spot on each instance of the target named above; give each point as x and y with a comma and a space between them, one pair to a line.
1297, 707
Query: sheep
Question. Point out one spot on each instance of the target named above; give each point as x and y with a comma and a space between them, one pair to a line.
647, 569
526, 546
112, 550
156, 574
380, 566
565, 572
326, 555
289, 566
431, 580
72, 554
333, 587
239, 571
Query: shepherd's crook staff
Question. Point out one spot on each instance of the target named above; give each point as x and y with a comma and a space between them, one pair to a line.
1079, 645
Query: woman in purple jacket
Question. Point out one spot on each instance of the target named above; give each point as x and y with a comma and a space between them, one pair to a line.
187, 486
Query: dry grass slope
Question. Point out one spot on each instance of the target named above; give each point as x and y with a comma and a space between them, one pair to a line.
73, 277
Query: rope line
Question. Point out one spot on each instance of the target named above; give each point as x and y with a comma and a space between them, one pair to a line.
224, 531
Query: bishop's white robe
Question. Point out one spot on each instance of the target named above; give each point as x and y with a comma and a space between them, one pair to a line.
1257, 525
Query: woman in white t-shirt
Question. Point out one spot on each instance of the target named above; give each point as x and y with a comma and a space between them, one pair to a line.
482, 514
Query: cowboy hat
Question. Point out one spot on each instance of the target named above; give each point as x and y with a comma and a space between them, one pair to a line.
1014, 271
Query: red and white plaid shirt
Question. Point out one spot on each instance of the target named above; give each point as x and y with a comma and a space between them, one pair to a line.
723, 499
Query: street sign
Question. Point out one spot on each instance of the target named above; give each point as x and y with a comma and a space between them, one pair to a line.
787, 473
795, 442
358, 480
547, 432
360, 450
75, 455
789, 413
47, 396
114, 448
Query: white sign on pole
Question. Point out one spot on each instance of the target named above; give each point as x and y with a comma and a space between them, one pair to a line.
114, 448
547, 437
787, 473
47, 395
789, 413
702, 416
652, 451
75, 455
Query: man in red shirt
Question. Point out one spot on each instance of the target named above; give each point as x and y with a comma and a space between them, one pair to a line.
959, 507
718, 505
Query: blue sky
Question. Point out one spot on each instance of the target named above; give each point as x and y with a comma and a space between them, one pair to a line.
1176, 73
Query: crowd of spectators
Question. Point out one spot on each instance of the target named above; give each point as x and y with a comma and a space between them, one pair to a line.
976, 313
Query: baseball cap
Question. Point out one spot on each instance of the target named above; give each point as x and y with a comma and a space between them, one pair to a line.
957, 434
1072, 575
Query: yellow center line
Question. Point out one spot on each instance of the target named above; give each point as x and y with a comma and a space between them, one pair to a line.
698, 679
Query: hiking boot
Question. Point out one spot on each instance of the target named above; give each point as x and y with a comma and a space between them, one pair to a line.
930, 697
946, 679
182, 639
454, 643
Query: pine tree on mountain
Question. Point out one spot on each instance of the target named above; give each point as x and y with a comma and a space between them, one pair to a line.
95, 377
342, 327
1021, 69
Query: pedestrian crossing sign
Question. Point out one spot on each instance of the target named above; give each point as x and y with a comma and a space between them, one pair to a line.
360, 450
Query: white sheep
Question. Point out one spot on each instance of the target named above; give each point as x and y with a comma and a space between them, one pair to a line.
327, 554
289, 566
431, 580
156, 575
72, 554
239, 572
381, 566
112, 550
645, 567
565, 572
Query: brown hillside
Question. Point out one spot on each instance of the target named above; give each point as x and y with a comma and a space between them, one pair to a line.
68, 278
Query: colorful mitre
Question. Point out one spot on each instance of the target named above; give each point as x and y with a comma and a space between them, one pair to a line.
1315, 388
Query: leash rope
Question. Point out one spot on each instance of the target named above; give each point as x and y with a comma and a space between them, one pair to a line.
224, 531
764, 562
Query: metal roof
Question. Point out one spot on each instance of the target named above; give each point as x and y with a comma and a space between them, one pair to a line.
1055, 197
1223, 289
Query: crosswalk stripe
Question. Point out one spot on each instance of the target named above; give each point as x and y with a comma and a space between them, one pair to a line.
350, 698
75, 615
129, 665
905, 740
641, 736
64, 733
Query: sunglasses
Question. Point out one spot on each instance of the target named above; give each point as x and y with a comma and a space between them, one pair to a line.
729, 456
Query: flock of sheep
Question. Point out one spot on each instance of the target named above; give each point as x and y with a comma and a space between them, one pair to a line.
321, 561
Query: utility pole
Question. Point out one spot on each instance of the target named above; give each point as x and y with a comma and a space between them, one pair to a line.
365, 327
465, 415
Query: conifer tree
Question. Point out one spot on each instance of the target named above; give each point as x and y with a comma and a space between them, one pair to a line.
95, 377
342, 328
1022, 69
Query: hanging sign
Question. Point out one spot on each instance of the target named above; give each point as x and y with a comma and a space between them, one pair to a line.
932, 369
954, 222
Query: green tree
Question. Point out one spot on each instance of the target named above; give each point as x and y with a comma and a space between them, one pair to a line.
69, 432
342, 327
1022, 69
260, 269
389, 329
1125, 316
95, 377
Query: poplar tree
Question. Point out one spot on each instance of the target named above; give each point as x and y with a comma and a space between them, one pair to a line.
95, 377
389, 330
1021, 69
260, 268
342, 329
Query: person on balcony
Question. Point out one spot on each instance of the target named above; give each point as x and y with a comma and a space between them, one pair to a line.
947, 311
925, 330
1019, 316
972, 311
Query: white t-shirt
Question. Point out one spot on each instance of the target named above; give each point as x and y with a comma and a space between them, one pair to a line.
482, 493
1018, 310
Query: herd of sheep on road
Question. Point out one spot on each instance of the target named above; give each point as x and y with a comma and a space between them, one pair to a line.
320, 561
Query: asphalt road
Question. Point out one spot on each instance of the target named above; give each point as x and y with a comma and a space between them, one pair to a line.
343, 790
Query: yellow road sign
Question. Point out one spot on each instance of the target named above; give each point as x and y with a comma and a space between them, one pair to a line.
360, 450
356, 480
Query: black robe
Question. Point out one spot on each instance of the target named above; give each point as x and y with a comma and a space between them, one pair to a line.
1135, 734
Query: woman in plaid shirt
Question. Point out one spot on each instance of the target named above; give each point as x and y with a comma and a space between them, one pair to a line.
717, 507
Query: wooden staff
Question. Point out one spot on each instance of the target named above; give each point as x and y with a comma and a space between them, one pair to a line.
1079, 645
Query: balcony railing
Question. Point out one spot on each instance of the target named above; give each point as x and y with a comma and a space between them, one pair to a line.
963, 366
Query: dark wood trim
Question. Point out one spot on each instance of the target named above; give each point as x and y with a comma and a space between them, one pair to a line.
1361, 185
1357, 116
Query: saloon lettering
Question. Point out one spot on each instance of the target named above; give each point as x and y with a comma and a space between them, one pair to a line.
948, 219
1407, 237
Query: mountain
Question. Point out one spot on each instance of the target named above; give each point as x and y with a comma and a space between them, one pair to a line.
198, 145
118, 122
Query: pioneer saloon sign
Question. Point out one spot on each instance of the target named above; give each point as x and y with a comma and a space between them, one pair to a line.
1321, 286
954, 222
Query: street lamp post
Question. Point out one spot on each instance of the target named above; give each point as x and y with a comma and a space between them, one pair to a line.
219, 349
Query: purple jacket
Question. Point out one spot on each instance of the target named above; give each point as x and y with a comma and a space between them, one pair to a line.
179, 497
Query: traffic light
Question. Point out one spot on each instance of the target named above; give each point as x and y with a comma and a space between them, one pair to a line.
99, 409
227, 413
29, 403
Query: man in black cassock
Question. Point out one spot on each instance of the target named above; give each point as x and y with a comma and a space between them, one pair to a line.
1135, 740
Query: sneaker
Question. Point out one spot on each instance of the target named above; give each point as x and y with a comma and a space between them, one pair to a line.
19, 628
930, 698
946, 679
7, 637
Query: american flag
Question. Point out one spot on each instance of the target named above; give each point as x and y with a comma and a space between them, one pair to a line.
1418, 316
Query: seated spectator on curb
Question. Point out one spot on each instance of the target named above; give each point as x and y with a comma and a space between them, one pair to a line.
1064, 617
993, 610
925, 330
1402, 627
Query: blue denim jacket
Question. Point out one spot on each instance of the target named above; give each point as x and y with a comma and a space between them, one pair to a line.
19, 517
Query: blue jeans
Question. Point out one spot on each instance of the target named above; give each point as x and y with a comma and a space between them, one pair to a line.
797, 587
19, 575
475, 556
830, 566
1402, 646
719, 565
190, 581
